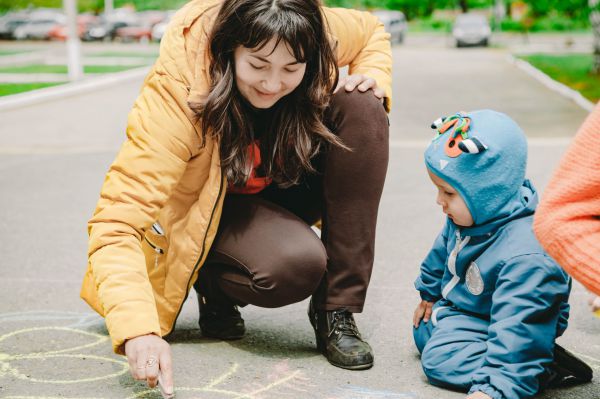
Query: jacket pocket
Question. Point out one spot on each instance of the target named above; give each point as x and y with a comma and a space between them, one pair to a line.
155, 246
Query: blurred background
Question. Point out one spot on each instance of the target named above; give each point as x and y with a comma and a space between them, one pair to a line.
559, 37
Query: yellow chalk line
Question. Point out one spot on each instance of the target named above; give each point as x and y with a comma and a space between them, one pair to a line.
209, 387
7, 369
125, 366
101, 338
271, 385
223, 376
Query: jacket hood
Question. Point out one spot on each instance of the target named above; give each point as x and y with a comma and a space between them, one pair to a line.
483, 155
523, 204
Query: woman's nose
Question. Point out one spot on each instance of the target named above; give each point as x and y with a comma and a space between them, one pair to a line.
272, 84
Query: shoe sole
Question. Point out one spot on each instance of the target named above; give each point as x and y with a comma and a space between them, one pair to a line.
358, 367
567, 361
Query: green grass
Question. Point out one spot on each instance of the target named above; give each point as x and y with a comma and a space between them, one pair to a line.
572, 70
14, 88
40, 68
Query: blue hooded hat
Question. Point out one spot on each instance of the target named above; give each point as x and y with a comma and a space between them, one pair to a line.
483, 155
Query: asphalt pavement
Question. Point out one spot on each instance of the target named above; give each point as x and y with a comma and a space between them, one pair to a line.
53, 157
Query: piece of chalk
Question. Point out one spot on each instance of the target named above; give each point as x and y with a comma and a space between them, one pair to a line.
165, 394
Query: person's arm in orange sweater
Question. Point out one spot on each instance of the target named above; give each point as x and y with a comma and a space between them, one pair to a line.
567, 221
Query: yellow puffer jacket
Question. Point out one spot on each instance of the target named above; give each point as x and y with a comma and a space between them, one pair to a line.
139, 272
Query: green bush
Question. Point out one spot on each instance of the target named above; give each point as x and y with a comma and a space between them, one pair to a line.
510, 25
559, 23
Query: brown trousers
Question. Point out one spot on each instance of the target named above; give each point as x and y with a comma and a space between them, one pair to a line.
265, 252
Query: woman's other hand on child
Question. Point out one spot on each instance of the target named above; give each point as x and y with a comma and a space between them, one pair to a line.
149, 357
423, 311
362, 82
478, 395
594, 302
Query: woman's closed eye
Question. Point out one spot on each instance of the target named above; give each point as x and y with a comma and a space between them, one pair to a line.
257, 67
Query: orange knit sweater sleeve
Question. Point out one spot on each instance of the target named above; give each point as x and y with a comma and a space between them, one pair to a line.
567, 221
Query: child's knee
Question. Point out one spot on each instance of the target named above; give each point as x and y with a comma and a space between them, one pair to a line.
442, 369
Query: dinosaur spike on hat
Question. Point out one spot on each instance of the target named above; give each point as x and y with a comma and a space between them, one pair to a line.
472, 146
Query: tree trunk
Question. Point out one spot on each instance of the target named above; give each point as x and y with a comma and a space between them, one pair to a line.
595, 21
464, 6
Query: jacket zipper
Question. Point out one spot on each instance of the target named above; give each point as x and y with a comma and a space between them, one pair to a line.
451, 263
187, 290
157, 250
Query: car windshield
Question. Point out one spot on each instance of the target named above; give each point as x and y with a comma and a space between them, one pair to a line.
471, 21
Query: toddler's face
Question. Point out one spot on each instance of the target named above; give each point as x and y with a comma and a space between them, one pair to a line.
451, 202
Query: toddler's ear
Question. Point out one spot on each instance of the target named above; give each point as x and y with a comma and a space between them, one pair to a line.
472, 145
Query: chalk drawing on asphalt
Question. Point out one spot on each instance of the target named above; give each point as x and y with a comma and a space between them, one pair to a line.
281, 381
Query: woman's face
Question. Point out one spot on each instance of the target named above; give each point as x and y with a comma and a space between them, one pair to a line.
264, 76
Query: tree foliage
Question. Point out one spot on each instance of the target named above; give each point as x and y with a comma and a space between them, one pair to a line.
92, 5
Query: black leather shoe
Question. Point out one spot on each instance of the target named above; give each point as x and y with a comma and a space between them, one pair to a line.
339, 340
220, 320
567, 369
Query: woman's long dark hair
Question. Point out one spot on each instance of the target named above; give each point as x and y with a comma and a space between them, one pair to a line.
296, 132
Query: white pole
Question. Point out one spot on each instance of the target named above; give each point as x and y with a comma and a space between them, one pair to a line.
108, 7
73, 44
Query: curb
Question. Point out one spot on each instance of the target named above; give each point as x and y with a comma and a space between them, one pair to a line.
552, 84
70, 89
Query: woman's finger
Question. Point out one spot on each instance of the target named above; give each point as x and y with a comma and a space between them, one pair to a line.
166, 374
131, 359
140, 365
367, 84
353, 81
379, 92
152, 370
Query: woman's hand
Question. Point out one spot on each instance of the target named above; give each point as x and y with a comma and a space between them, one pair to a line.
150, 356
423, 311
479, 395
362, 82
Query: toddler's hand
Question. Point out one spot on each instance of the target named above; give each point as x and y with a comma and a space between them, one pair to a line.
594, 302
423, 311
479, 395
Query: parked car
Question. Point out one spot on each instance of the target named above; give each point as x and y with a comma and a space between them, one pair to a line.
10, 22
103, 30
40, 22
131, 33
38, 29
471, 30
60, 32
394, 22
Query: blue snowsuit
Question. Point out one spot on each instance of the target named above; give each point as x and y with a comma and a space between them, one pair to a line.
501, 301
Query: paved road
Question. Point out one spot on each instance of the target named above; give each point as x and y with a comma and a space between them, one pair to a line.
52, 163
